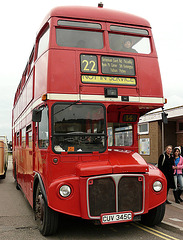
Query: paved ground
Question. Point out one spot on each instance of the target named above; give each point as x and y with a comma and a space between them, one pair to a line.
174, 213
20, 220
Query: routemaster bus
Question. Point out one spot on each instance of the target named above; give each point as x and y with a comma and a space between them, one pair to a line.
90, 76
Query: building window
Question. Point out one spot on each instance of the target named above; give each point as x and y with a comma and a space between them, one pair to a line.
180, 127
143, 128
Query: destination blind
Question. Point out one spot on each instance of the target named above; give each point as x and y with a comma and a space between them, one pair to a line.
118, 65
128, 81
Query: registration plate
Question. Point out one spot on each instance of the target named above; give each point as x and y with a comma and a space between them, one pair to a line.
116, 217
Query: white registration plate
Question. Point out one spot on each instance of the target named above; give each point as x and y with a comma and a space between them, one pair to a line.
116, 217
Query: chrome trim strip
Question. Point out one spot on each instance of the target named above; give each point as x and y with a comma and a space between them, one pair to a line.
87, 97
116, 178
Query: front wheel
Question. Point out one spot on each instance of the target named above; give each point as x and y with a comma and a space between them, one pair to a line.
46, 218
154, 216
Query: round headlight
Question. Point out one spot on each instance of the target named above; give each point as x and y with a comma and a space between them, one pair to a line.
65, 191
157, 186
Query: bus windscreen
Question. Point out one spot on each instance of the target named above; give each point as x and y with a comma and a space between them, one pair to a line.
78, 128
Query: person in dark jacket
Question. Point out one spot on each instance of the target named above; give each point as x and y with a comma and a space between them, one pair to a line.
165, 164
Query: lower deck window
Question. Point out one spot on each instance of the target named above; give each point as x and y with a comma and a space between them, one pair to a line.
120, 134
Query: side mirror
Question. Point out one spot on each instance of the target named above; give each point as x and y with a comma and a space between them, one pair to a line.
36, 115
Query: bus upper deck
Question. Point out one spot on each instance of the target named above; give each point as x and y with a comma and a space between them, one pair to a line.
96, 54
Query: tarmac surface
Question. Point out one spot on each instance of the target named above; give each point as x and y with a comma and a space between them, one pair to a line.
173, 214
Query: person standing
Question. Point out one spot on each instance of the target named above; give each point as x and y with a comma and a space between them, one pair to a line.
181, 150
177, 167
165, 164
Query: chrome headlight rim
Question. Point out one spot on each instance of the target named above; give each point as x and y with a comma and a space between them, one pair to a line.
157, 186
65, 191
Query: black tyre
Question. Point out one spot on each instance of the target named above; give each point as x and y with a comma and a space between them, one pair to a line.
15, 176
3, 176
154, 216
46, 218
17, 185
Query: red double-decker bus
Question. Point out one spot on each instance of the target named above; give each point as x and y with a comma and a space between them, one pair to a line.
91, 74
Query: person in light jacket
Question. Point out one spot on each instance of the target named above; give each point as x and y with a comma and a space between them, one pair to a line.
178, 179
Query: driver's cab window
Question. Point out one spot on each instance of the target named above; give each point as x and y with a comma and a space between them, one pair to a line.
120, 134
43, 137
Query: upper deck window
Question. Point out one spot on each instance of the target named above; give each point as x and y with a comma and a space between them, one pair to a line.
79, 38
127, 43
129, 30
43, 43
79, 24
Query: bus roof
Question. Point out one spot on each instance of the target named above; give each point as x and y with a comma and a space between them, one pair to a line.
97, 13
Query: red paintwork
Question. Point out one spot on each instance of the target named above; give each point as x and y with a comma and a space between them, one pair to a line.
92, 13
58, 71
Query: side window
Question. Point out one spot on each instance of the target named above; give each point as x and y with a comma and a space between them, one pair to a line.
18, 139
43, 137
24, 137
120, 134
29, 139
43, 43
29, 136
31, 60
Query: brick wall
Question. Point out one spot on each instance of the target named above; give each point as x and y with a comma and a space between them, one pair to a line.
155, 136
154, 142
170, 134
179, 139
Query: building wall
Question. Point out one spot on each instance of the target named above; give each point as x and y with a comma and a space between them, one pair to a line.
170, 134
173, 132
179, 139
154, 136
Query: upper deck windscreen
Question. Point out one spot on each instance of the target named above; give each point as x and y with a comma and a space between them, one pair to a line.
79, 38
124, 39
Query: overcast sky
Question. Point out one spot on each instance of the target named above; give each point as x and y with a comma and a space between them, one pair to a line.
20, 21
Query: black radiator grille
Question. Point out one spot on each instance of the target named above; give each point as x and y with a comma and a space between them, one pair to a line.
103, 193
130, 194
102, 196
